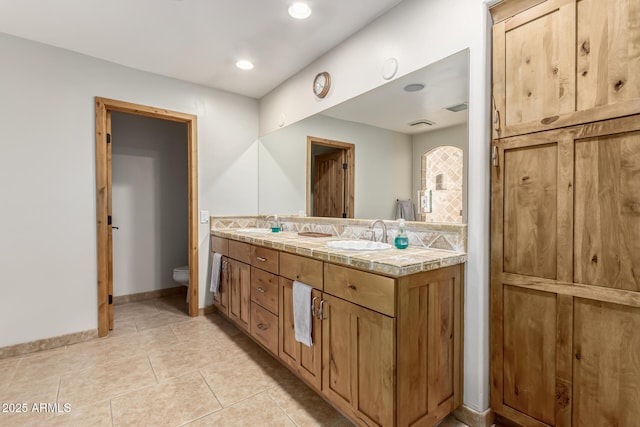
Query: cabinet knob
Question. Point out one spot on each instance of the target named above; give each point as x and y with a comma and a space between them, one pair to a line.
261, 259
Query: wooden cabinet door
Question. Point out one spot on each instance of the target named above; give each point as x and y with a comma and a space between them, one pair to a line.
429, 340
565, 62
240, 293
358, 361
565, 256
607, 207
531, 243
304, 361
606, 367
221, 299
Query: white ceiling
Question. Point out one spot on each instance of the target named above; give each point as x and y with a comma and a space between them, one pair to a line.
194, 40
391, 107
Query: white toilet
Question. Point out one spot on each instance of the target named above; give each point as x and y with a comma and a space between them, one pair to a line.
181, 275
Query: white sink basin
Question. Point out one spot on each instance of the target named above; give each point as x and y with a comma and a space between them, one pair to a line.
358, 245
253, 230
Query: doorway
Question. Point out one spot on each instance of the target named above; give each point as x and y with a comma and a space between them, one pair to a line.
330, 178
104, 108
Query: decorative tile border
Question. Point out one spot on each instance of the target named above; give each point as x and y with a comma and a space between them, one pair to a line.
432, 244
452, 237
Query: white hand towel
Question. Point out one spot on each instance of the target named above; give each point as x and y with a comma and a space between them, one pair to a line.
302, 312
216, 266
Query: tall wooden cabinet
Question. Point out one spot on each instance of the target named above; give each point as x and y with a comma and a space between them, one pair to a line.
565, 220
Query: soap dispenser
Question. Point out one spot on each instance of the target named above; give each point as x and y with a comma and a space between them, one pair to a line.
275, 226
401, 241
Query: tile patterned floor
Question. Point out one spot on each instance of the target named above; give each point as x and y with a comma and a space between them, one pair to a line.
160, 367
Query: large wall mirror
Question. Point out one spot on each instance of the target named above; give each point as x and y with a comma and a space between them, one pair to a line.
410, 139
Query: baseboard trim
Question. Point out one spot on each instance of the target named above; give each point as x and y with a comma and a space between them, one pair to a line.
47, 343
207, 310
165, 292
473, 418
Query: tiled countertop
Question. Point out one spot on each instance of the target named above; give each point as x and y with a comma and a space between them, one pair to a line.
391, 262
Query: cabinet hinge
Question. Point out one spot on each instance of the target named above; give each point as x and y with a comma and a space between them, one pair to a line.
108, 219
344, 166
108, 138
110, 299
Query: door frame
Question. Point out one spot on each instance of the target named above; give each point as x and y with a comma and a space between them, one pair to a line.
104, 107
350, 159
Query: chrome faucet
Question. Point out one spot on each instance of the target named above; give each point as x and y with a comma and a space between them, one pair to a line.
384, 230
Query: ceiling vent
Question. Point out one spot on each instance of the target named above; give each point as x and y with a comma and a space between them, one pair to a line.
457, 107
414, 87
422, 122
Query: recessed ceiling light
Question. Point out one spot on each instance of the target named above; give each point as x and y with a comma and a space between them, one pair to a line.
243, 64
414, 87
299, 10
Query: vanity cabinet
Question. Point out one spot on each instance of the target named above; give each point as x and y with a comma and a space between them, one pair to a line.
239, 293
220, 300
386, 351
302, 360
264, 308
559, 63
358, 361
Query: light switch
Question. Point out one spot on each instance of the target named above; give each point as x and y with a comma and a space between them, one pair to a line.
204, 217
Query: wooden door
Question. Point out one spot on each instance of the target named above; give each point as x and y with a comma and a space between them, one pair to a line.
304, 361
239, 293
358, 361
564, 62
328, 185
221, 299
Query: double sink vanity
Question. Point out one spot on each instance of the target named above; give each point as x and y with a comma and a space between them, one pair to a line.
386, 325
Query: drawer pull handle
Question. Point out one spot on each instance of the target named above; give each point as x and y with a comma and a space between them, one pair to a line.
262, 291
261, 259
262, 327
313, 306
352, 287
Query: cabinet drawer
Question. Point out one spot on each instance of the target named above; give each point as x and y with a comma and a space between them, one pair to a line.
365, 289
240, 251
306, 270
264, 289
220, 245
266, 259
264, 327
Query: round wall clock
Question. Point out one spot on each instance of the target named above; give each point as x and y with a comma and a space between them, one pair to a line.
321, 84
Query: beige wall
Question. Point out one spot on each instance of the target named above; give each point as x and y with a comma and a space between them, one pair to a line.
382, 166
47, 177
